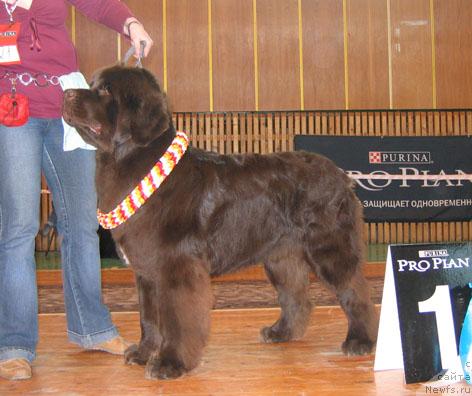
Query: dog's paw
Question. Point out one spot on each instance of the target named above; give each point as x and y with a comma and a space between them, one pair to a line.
270, 335
356, 346
162, 368
135, 355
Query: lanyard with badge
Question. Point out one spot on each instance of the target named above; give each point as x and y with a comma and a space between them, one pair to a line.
14, 109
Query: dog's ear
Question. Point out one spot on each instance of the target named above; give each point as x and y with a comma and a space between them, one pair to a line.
139, 109
152, 118
143, 113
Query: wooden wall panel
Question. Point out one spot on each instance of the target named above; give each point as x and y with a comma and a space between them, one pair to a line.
367, 54
412, 72
278, 54
233, 55
149, 12
187, 55
407, 77
453, 53
97, 45
323, 54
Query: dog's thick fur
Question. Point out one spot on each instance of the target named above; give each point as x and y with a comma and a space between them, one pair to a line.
294, 212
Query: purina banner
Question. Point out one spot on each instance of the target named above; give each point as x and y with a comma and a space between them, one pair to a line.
403, 178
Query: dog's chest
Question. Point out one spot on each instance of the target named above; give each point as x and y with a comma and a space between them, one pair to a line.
133, 257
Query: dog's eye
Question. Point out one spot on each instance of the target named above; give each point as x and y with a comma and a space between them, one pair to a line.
104, 90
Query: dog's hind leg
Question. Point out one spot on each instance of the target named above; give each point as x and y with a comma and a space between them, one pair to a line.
148, 315
184, 303
362, 318
341, 270
289, 273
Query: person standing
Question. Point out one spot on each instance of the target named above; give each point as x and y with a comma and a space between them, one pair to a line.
38, 60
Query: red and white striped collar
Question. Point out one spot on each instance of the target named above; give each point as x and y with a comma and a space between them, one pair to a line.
150, 183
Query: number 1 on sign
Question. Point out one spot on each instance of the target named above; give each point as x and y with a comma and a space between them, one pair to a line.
440, 304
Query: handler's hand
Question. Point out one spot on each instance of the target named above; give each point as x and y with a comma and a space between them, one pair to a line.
135, 30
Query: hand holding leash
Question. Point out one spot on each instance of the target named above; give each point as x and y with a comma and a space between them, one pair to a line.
138, 35
132, 51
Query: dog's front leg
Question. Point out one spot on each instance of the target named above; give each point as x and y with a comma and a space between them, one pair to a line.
185, 301
150, 337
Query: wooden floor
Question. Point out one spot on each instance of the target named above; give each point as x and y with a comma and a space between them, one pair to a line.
235, 363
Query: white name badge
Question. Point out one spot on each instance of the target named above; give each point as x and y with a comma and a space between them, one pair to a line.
9, 54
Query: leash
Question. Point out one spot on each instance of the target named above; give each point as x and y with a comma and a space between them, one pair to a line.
131, 51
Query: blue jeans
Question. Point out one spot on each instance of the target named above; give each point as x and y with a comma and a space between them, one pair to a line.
24, 152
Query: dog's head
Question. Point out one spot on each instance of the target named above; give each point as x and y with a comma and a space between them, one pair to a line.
124, 108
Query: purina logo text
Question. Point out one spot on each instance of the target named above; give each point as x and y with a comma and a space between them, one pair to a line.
433, 253
400, 157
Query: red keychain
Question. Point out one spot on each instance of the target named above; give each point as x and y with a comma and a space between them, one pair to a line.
14, 109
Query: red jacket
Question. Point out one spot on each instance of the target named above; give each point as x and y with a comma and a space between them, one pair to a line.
45, 45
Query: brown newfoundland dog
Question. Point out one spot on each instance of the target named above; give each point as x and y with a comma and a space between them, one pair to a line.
294, 212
